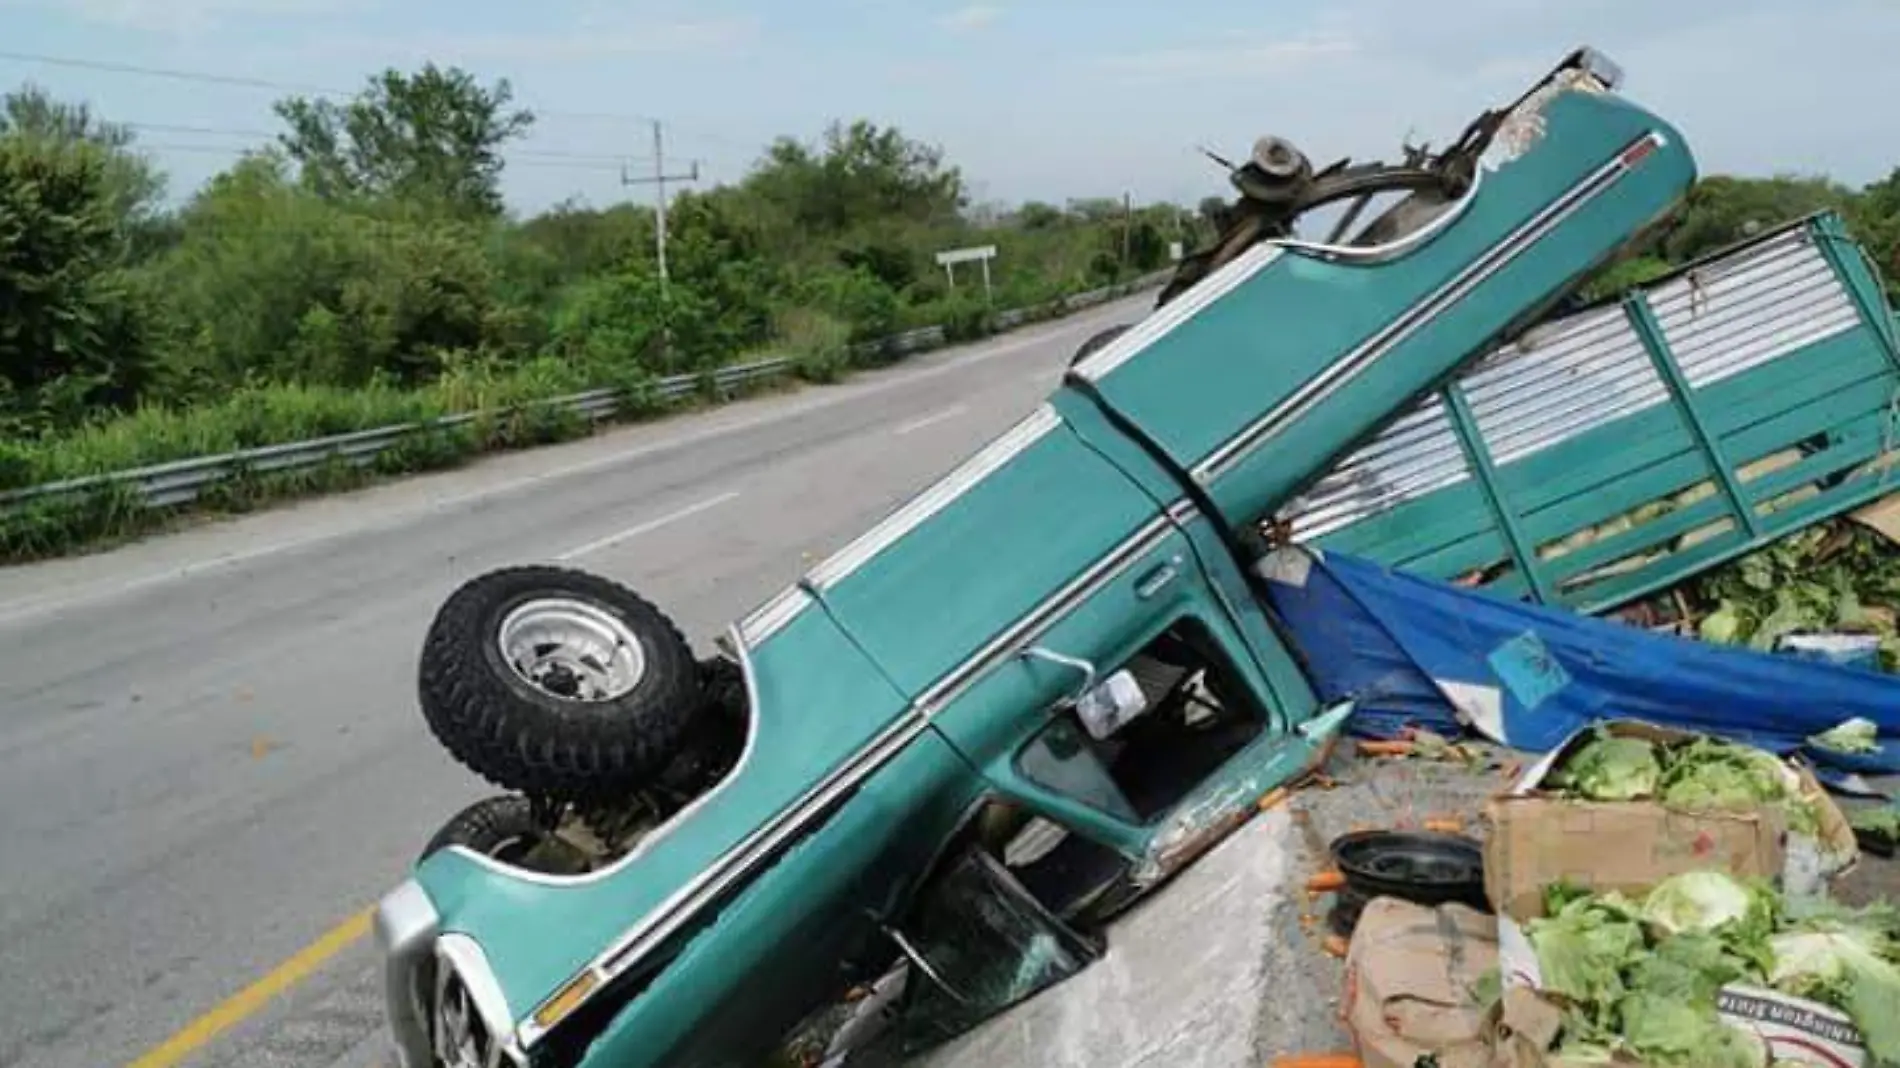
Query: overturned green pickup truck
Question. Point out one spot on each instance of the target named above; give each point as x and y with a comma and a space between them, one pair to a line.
1025, 698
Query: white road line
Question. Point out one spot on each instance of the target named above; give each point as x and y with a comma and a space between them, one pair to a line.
647, 527
931, 420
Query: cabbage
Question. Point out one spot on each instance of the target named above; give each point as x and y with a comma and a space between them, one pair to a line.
1842, 964
1711, 774
1582, 950
1676, 1032
1856, 735
1610, 768
1640, 982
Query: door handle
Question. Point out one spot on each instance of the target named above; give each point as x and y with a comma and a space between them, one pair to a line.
1157, 578
1037, 652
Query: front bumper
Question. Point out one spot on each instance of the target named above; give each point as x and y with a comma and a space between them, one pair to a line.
406, 928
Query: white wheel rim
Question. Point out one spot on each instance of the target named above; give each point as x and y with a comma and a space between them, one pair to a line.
572, 650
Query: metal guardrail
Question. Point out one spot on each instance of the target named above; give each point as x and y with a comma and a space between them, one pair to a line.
181, 482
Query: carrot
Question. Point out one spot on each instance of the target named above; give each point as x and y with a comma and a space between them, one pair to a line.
1385, 749
1318, 1060
1335, 945
1273, 798
1325, 882
1445, 825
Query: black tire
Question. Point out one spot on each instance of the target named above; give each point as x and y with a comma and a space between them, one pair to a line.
1097, 342
524, 736
716, 737
502, 827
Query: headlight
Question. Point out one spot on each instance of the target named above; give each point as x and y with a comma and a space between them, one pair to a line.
471, 1025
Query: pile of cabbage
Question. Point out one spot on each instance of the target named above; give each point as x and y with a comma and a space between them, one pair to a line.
1639, 977
1699, 774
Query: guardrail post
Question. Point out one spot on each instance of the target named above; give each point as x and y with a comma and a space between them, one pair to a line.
1478, 457
1643, 319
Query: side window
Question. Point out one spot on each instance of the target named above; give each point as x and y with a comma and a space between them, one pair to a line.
1149, 731
1003, 915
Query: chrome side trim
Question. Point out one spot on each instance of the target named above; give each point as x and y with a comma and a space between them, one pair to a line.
1339, 372
1043, 616
920, 508
740, 862
764, 843
406, 926
772, 616
1399, 246
1243, 267
1223, 281
659, 833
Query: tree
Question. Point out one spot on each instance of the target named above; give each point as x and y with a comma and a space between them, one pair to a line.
130, 184
858, 174
71, 336
1036, 215
432, 136
1721, 210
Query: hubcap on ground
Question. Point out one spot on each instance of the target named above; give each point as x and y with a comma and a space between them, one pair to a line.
572, 649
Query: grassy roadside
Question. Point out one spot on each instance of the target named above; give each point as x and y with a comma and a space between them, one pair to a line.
502, 399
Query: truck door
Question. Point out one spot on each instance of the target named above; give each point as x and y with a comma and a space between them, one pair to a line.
1129, 709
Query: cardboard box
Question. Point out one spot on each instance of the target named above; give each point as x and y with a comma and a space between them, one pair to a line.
1537, 838
1411, 979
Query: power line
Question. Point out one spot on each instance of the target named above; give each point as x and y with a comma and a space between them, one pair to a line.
162, 72
209, 78
608, 160
607, 166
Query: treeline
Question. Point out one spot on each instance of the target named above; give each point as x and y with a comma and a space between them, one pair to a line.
363, 269
1722, 210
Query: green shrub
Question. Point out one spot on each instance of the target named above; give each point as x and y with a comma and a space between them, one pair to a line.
72, 330
854, 297
818, 344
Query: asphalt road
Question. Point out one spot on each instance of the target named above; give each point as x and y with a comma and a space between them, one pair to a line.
210, 754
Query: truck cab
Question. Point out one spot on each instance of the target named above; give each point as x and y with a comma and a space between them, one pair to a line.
1064, 637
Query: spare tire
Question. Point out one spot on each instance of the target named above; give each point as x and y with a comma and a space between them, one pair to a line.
502, 827
507, 829
556, 683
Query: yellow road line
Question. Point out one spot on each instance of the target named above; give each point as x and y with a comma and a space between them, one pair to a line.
243, 1004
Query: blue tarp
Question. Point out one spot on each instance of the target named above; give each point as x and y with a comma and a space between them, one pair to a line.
1416, 651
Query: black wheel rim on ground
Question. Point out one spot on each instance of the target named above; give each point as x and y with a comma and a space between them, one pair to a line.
1424, 867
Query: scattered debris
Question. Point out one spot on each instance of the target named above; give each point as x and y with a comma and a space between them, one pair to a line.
1853, 736
1325, 882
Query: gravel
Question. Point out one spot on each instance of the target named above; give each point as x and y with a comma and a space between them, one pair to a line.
1366, 794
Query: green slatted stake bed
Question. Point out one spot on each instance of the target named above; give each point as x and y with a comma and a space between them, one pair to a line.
958, 747
1620, 449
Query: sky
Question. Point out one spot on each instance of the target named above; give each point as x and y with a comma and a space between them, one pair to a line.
1032, 99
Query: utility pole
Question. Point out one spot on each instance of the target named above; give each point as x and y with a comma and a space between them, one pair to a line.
1128, 223
658, 179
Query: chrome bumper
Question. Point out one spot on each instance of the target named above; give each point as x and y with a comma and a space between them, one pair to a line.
406, 926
